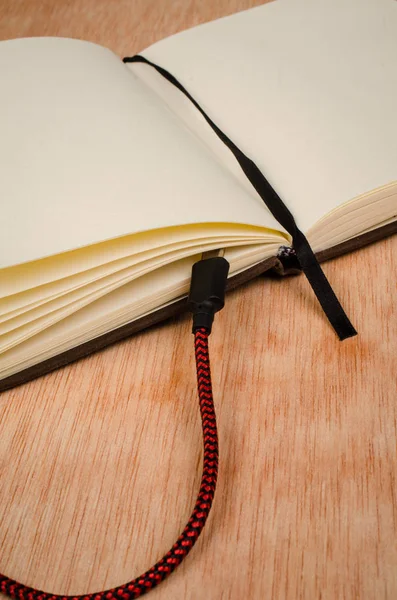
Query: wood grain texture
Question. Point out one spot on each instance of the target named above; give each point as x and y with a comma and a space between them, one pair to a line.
99, 462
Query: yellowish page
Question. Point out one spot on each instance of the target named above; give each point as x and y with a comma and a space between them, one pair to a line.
149, 292
24, 325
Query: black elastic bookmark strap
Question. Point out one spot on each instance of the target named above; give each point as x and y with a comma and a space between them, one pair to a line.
308, 262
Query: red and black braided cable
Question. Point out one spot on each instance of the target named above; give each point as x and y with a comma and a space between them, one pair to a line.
164, 567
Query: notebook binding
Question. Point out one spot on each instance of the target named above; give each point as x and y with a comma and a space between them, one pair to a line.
288, 262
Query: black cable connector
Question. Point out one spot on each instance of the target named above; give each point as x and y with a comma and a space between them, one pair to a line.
207, 291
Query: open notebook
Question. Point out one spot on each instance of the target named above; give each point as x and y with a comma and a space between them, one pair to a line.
113, 184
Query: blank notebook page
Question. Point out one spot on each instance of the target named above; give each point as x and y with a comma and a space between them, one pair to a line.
89, 153
306, 88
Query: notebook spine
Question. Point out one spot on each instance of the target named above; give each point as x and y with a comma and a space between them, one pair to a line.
287, 262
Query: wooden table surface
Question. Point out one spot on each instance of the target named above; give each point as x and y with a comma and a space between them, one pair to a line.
99, 462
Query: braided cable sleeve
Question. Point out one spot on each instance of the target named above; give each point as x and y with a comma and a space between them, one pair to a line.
164, 567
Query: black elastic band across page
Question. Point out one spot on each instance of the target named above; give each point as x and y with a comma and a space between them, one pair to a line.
308, 262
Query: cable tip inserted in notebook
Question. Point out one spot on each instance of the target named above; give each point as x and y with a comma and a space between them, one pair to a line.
207, 290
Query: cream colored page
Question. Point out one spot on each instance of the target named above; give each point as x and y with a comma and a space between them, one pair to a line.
89, 153
307, 88
130, 301
31, 322
161, 285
